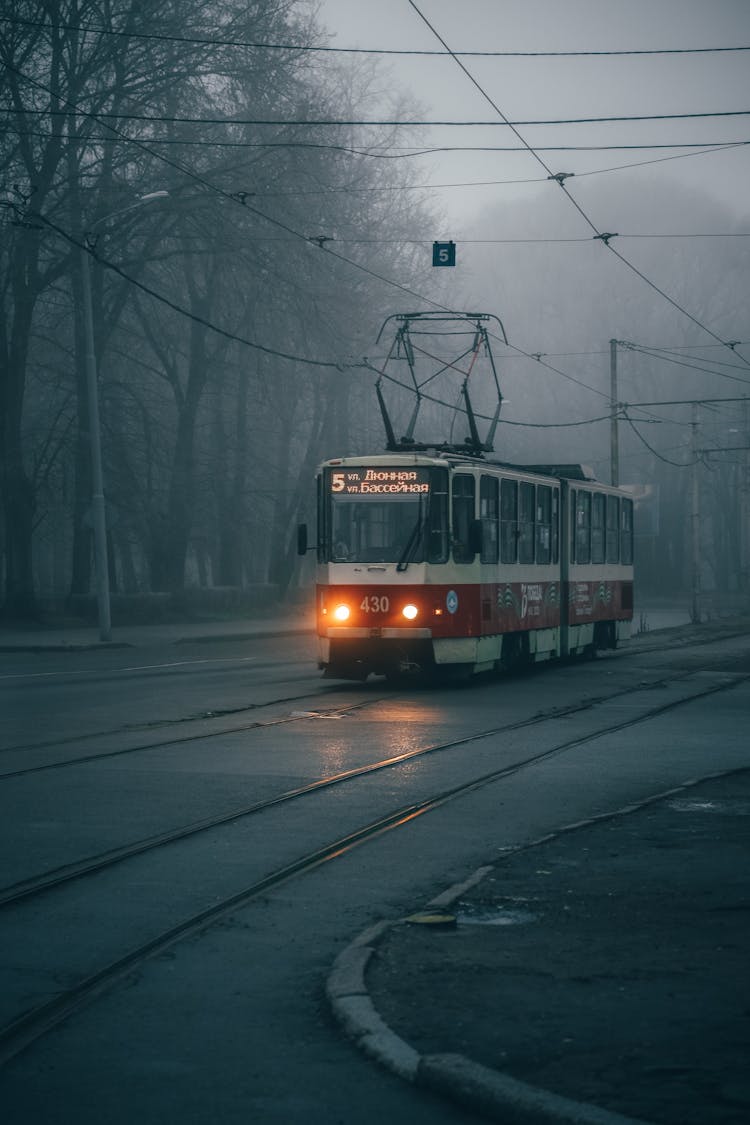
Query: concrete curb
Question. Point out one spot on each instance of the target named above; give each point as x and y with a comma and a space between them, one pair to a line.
496, 1095
351, 1004
505, 1099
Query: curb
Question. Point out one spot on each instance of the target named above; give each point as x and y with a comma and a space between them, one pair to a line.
351, 1004
496, 1095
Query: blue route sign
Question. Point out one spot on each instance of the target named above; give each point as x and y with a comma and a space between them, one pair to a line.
443, 253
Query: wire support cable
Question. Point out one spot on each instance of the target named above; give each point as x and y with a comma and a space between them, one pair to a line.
169, 303
655, 452
382, 374
560, 178
239, 199
181, 168
681, 361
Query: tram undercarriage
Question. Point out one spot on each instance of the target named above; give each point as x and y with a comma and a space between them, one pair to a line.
399, 657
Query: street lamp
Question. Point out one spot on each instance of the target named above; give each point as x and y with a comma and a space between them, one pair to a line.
98, 513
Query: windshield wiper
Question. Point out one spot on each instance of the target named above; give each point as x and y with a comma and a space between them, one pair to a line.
413, 540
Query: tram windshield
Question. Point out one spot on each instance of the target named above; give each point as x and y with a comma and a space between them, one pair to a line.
387, 515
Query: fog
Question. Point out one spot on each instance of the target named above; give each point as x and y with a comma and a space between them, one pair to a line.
243, 207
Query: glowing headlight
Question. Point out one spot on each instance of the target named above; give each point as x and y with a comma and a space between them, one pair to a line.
410, 612
341, 612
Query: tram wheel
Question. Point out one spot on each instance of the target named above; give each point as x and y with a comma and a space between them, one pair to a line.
516, 655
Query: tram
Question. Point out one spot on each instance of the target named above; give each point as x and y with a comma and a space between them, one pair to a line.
432, 558
442, 562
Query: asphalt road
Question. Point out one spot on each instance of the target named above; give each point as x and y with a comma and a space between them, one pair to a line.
230, 1023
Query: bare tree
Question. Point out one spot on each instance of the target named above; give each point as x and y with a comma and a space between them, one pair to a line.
109, 103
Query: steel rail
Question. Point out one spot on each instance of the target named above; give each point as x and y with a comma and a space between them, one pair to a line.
33, 1024
56, 877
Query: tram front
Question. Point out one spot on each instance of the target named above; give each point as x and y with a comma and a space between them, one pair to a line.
383, 539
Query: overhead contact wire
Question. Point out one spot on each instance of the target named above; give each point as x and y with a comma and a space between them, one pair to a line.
559, 178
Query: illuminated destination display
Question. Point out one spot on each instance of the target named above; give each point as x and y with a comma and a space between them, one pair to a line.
381, 482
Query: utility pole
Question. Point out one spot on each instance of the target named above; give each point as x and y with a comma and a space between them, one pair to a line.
98, 509
695, 513
614, 452
98, 516
745, 507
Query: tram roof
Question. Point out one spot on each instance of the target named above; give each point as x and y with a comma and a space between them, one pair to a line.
456, 457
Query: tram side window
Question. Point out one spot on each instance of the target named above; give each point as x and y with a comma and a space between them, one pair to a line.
508, 520
526, 523
572, 524
555, 528
583, 527
488, 513
626, 533
613, 525
463, 516
543, 523
437, 518
321, 520
597, 527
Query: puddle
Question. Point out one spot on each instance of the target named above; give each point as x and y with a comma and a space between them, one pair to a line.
736, 806
494, 915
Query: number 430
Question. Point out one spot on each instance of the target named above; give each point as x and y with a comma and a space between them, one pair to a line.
374, 603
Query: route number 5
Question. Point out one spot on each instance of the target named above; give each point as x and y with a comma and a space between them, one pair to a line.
443, 253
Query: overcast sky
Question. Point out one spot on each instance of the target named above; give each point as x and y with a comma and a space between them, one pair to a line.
659, 191
553, 88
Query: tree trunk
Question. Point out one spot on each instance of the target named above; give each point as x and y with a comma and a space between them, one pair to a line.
15, 486
172, 536
80, 581
232, 513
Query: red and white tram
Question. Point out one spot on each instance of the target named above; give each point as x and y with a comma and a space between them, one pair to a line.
439, 561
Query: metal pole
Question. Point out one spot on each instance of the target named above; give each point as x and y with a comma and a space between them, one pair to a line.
98, 515
695, 610
745, 508
98, 512
614, 451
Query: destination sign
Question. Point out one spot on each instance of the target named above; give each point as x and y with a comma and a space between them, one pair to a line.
381, 482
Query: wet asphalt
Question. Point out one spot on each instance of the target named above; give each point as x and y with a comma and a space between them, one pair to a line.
602, 974
598, 977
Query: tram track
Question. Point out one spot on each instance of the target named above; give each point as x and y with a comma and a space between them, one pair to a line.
32, 1024
644, 643
194, 736
135, 728
60, 876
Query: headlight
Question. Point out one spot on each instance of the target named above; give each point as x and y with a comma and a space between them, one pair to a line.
410, 612
341, 612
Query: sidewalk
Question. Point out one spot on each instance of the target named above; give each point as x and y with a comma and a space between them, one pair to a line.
600, 976
74, 634
59, 637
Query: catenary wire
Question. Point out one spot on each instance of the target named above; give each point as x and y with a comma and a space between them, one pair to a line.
416, 187
290, 230
560, 178
324, 248
655, 452
408, 152
205, 41
650, 354
314, 122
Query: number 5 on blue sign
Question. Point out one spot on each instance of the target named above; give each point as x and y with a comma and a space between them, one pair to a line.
443, 253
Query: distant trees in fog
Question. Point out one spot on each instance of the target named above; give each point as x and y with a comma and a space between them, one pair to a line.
209, 443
